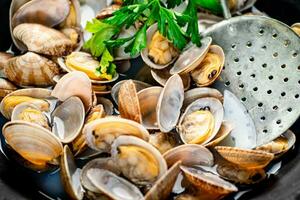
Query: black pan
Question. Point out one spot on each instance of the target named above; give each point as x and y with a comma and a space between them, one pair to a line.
17, 183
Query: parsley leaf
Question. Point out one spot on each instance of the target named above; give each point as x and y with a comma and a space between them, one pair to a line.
173, 3
107, 68
192, 27
139, 42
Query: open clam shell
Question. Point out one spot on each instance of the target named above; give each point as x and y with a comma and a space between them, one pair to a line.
35, 96
280, 145
296, 28
164, 185
215, 108
6, 87
43, 40
148, 165
162, 76
208, 182
145, 53
31, 69
67, 87
189, 155
67, 121
113, 186
148, 99
163, 141
129, 106
169, 103
191, 57
70, 175
33, 142
210, 68
30, 113
223, 132
84, 62
107, 105
139, 85
101, 133
98, 163
196, 93
249, 159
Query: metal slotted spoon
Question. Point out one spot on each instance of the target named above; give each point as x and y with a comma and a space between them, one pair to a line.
262, 68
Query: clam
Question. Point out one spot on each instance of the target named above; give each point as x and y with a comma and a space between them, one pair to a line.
201, 121
101, 133
163, 141
169, 104
241, 175
209, 183
101, 89
35, 96
67, 86
70, 175
108, 11
30, 113
164, 185
243, 134
45, 12
280, 145
223, 132
84, 62
79, 143
4, 57
139, 85
148, 99
107, 105
129, 106
210, 68
67, 121
196, 93
191, 57
99, 163
75, 35
296, 28
249, 159
159, 52
138, 160
189, 155
6, 87
43, 40
33, 142
112, 185
31, 69
74, 16
161, 76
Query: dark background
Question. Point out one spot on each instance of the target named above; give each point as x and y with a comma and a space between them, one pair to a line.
286, 185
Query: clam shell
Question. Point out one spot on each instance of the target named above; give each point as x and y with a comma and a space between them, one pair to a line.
42, 120
164, 185
148, 99
130, 171
150, 32
169, 104
38, 93
31, 69
200, 69
139, 85
67, 121
129, 106
249, 159
33, 142
74, 16
108, 11
196, 93
296, 28
216, 108
163, 141
43, 40
99, 163
189, 155
223, 132
67, 86
208, 182
191, 58
45, 12
107, 105
162, 76
4, 57
70, 175
6, 87
113, 186
101, 133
